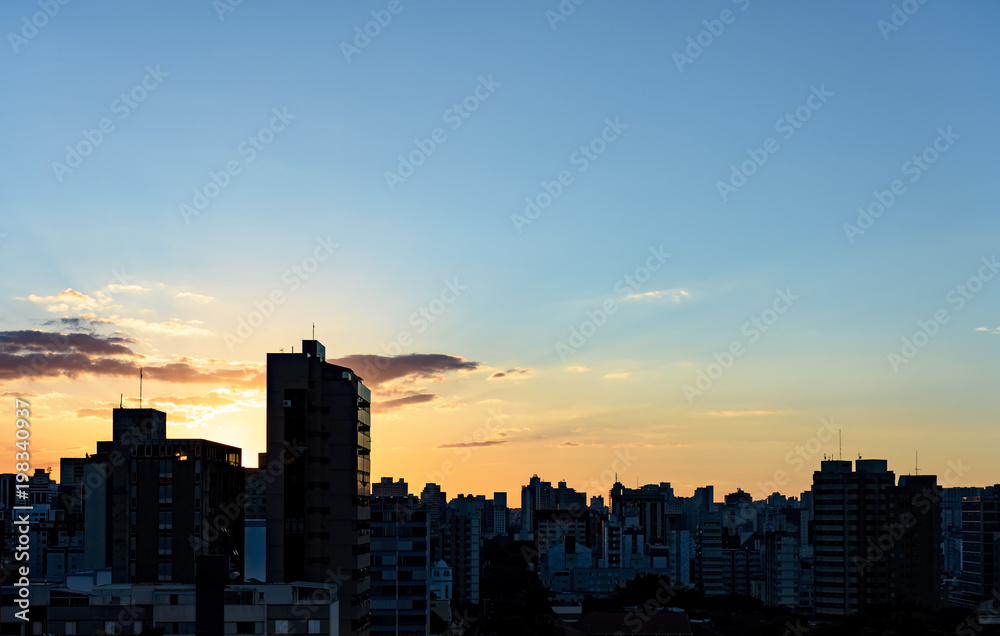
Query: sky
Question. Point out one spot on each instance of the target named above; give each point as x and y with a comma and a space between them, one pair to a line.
659, 242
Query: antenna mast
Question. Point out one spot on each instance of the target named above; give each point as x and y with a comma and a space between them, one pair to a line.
916, 461
140, 387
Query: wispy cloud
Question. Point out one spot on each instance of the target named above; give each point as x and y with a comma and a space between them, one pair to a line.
578, 369
675, 295
198, 298
570, 444
617, 376
742, 413
398, 403
472, 444
995, 332
511, 373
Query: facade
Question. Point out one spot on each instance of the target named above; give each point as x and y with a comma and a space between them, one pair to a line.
152, 505
89, 603
318, 515
462, 547
400, 590
875, 543
980, 539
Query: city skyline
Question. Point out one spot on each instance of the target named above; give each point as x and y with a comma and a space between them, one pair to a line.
636, 233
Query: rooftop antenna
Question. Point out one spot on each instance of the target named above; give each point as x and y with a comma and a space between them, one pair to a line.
121, 400
140, 387
314, 331
916, 461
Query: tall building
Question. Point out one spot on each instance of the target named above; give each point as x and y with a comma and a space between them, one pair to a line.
318, 514
153, 504
875, 543
437, 516
650, 502
400, 589
462, 547
980, 539
496, 511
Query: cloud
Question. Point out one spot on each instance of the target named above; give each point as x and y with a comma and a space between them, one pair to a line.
741, 413
44, 355
71, 298
172, 327
391, 405
617, 376
378, 370
493, 442
115, 287
995, 332
198, 298
675, 295
570, 444
578, 369
510, 373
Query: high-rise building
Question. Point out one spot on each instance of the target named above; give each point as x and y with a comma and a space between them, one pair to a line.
318, 514
875, 543
981, 535
462, 547
650, 502
153, 504
496, 510
400, 590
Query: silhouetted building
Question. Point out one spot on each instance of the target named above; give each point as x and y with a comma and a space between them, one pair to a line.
400, 556
318, 515
875, 543
980, 537
154, 504
463, 544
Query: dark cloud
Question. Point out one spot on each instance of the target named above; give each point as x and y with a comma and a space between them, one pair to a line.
472, 444
509, 373
390, 405
32, 341
38, 354
78, 323
570, 444
380, 369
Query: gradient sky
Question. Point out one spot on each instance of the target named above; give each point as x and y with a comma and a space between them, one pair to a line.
105, 249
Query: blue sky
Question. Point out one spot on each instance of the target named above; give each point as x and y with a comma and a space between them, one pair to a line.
323, 176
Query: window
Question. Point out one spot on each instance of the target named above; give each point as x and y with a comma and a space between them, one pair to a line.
245, 627
281, 627
314, 627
